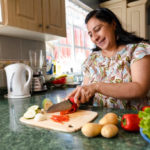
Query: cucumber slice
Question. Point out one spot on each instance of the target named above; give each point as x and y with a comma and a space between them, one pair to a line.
29, 114
34, 107
46, 104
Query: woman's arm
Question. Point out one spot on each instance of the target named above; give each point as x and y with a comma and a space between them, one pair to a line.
140, 72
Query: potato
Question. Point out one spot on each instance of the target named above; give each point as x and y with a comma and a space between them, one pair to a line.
91, 129
109, 130
109, 118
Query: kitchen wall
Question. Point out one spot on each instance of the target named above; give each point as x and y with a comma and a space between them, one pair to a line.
15, 50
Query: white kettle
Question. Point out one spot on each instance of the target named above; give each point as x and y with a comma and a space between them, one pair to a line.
17, 84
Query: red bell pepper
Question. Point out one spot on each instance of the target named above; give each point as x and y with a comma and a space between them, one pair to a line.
130, 122
73, 108
144, 107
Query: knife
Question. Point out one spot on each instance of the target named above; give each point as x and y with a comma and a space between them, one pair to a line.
62, 106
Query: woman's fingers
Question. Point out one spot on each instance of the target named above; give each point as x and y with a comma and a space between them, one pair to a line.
81, 94
77, 97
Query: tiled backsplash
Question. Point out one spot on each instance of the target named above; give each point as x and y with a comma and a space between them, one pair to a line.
14, 50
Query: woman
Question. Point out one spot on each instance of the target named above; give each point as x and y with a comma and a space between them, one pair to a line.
118, 74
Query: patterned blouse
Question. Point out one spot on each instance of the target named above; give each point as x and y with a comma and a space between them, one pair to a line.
115, 69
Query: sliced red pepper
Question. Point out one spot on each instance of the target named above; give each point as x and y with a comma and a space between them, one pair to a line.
60, 118
144, 107
130, 122
73, 108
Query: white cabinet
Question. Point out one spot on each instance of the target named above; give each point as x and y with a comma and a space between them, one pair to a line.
133, 15
119, 8
136, 18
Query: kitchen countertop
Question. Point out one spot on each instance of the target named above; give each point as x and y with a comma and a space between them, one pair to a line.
16, 136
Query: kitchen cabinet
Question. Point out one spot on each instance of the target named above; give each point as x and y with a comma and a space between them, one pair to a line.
119, 9
42, 19
137, 18
133, 15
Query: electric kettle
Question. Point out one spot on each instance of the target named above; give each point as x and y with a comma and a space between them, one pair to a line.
19, 77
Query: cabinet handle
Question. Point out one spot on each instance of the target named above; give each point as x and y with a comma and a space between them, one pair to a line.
40, 25
47, 27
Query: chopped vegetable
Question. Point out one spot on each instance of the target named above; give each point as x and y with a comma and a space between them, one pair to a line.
39, 117
29, 114
73, 108
34, 107
46, 103
145, 121
130, 122
60, 118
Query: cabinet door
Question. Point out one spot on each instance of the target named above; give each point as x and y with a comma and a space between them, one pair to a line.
25, 14
136, 20
54, 17
118, 7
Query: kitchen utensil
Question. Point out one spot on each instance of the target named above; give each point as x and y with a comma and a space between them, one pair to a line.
17, 84
76, 121
37, 59
64, 105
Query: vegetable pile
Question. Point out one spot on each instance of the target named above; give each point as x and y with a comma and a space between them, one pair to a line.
107, 127
145, 121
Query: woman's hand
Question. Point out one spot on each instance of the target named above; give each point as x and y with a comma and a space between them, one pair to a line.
82, 94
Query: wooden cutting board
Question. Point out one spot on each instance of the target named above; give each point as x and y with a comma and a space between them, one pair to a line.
76, 121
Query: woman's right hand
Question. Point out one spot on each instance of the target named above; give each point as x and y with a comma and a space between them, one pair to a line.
82, 94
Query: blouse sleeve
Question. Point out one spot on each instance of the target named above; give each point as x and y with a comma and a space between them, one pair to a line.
85, 68
141, 50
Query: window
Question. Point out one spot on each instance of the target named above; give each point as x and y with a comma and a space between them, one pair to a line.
70, 52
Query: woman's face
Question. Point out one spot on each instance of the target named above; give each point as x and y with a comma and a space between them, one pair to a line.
102, 33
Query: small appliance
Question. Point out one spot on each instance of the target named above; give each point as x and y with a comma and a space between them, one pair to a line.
36, 58
19, 77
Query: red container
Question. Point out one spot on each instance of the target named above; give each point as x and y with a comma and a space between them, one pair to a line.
59, 81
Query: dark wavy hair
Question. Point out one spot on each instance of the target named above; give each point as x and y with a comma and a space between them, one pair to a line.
122, 37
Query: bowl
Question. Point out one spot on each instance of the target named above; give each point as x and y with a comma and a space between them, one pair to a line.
144, 136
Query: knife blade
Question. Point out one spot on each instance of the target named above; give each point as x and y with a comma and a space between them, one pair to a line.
64, 105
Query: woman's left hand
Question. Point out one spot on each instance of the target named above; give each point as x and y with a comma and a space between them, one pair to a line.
82, 94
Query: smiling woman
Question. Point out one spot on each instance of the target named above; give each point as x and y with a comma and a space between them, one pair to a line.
112, 75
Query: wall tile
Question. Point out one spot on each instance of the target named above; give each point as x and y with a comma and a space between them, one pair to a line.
10, 48
3, 82
14, 50
28, 45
